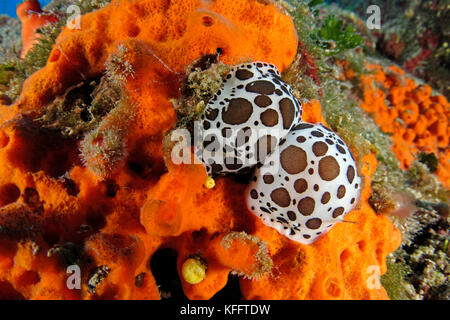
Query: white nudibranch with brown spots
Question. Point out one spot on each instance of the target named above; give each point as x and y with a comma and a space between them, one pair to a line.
306, 180
307, 185
247, 118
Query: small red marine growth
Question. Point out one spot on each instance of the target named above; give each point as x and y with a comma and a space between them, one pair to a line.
308, 62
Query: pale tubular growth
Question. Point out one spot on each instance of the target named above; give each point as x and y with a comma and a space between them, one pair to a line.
117, 66
206, 83
104, 149
263, 262
200, 85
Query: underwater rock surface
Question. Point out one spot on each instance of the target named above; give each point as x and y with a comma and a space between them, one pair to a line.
88, 178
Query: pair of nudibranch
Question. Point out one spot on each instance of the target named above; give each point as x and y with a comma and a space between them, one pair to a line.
305, 179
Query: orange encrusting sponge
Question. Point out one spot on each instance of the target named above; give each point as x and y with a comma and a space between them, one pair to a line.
50, 201
343, 264
418, 121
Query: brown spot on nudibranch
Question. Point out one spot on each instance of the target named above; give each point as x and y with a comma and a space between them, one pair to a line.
306, 206
211, 114
261, 87
293, 159
328, 168
314, 223
263, 101
300, 185
291, 215
320, 148
287, 110
269, 118
303, 126
268, 179
317, 134
337, 212
340, 149
341, 192
350, 174
243, 74
239, 111
325, 197
281, 197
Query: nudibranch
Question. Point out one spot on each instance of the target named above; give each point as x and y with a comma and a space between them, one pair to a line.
247, 118
306, 185
305, 179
